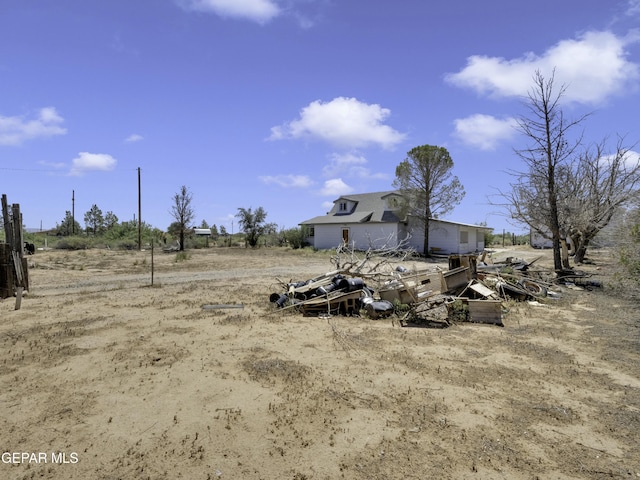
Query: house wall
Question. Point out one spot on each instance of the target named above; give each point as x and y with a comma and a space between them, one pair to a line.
374, 235
479, 245
416, 236
537, 240
446, 238
326, 236
442, 236
361, 235
476, 240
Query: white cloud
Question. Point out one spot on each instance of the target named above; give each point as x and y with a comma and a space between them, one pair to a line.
351, 165
52, 165
134, 137
342, 122
260, 11
335, 187
592, 67
633, 8
17, 130
340, 163
631, 159
484, 131
88, 162
288, 181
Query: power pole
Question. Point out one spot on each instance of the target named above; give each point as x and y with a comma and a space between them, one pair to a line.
73, 212
139, 213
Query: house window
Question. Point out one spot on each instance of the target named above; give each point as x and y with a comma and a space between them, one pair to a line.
312, 231
342, 207
464, 236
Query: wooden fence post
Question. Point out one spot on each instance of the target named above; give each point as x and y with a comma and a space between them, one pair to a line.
13, 266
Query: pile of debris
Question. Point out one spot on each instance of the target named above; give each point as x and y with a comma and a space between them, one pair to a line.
472, 289
333, 293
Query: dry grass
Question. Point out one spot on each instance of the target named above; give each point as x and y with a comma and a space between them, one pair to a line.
144, 383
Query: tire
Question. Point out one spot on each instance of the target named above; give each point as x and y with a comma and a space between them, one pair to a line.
533, 288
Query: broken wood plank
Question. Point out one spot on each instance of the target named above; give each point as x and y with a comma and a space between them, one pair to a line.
482, 290
18, 298
456, 278
485, 311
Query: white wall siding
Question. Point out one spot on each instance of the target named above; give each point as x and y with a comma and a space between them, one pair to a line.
360, 235
327, 236
367, 236
539, 241
445, 237
442, 236
477, 245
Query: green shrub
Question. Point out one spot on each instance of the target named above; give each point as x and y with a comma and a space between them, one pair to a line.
73, 243
458, 311
127, 244
295, 237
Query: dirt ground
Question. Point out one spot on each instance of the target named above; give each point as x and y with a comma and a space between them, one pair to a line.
105, 376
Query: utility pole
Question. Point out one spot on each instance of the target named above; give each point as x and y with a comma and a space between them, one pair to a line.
139, 213
73, 212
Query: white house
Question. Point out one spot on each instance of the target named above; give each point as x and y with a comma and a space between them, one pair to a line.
374, 220
202, 232
538, 240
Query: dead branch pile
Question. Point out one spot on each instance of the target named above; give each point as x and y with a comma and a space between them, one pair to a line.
376, 284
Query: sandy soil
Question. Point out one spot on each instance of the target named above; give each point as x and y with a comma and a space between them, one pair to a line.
107, 377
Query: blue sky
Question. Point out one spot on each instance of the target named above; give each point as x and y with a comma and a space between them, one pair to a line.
288, 104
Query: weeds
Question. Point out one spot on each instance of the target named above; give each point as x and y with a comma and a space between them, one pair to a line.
182, 256
272, 369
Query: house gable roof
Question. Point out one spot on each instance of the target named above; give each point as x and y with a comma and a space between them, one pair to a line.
370, 208
365, 208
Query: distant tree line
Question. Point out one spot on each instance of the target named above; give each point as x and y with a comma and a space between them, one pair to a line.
102, 227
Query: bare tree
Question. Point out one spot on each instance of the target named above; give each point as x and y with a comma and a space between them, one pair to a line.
424, 178
596, 189
534, 196
182, 212
567, 190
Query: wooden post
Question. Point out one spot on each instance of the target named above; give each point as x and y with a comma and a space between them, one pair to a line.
6, 221
18, 244
17, 266
13, 267
6, 271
